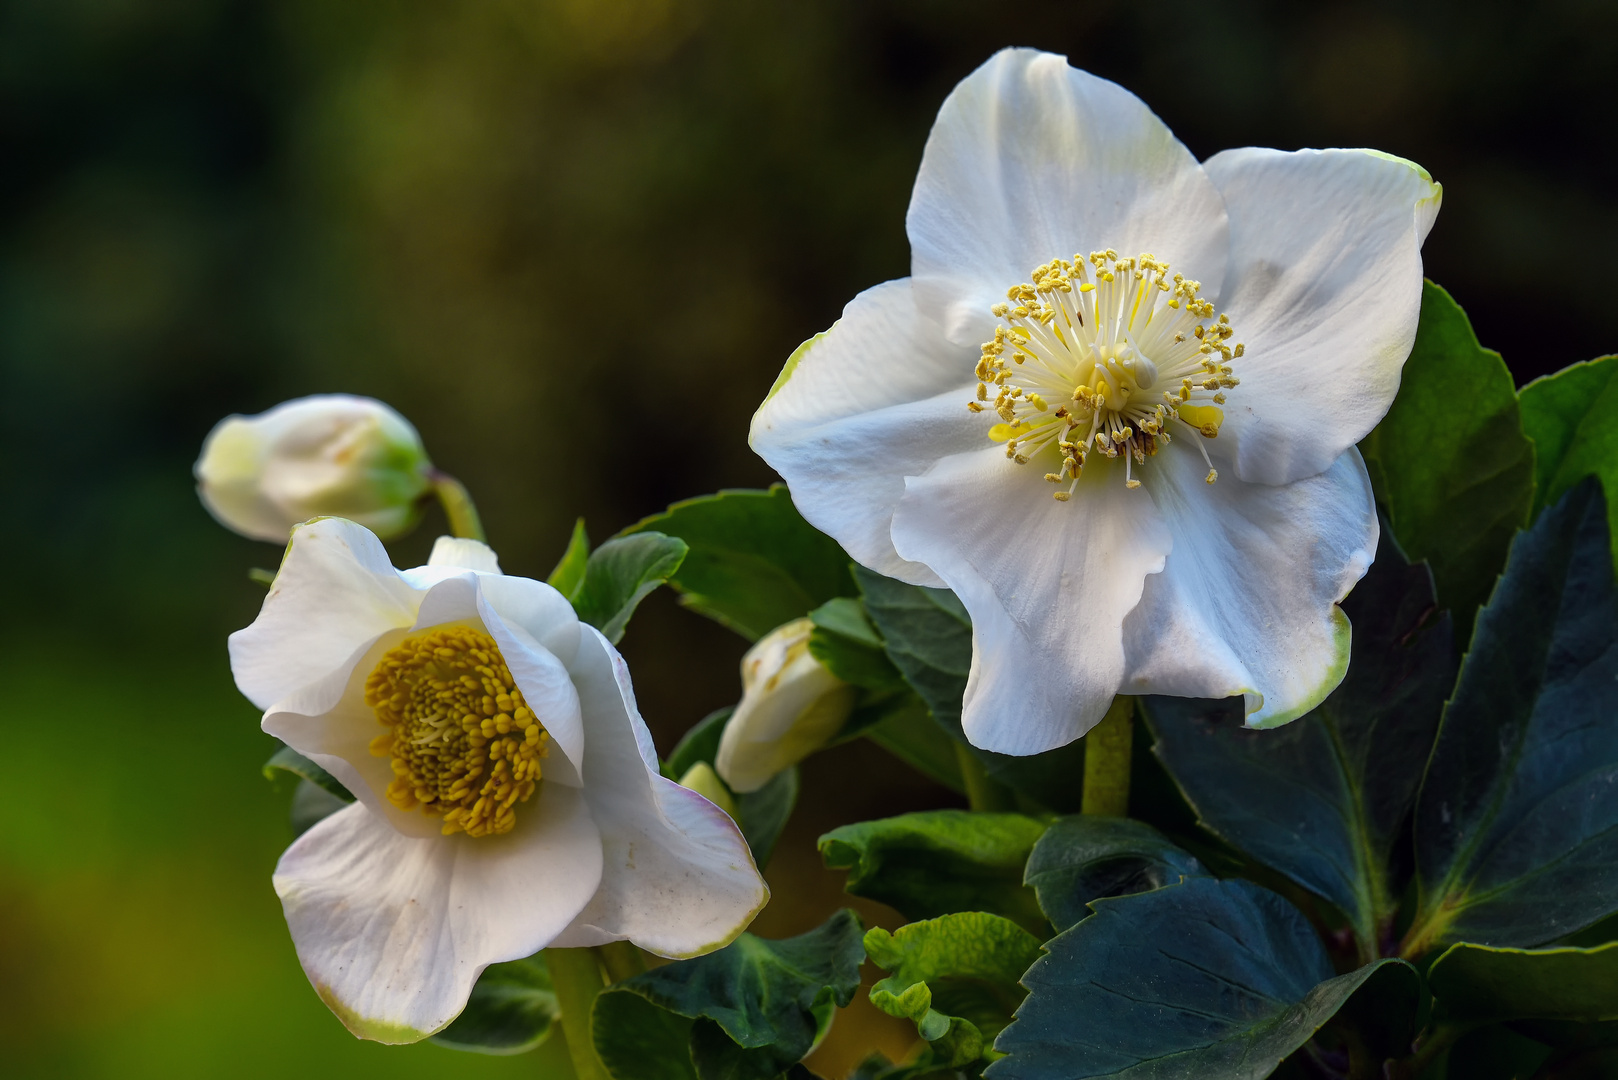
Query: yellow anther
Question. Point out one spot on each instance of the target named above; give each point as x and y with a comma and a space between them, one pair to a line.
1131, 484
1213, 474
438, 694
974, 406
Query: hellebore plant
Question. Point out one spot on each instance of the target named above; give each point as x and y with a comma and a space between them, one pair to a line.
1146, 448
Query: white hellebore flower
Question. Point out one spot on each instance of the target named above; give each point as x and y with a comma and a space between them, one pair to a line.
791, 705
1060, 336
508, 793
327, 455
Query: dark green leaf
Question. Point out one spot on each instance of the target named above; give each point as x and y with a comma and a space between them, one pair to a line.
928, 636
288, 760
620, 573
764, 813
940, 861
1516, 825
1450, 459
1479, 984
845, 641
1570, 416
312, 804
1325, 799
1217, 980
754, 562
768, 996
955, 977
511, 1010
1493, 1053
761, 814
569, 573
636, 1040
910, 734
1089, 857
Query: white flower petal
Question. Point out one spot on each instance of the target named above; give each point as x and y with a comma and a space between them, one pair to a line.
393, 930
1324, 289
1047, 585
878, 397
464, 554
336, 592
678, 879
1030, 160
547, 685
1247, 602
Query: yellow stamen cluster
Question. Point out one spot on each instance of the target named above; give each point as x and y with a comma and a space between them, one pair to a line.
1074, 364
465, 745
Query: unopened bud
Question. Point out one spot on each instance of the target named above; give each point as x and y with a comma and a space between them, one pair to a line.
331, 455
791, 706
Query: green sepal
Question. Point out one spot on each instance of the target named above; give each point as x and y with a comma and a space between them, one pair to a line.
568, 575
955, 977
761, 814
312, 804
1326, 799
1089, 857
754, 562
512, 1009
1450, 460
1220, 980
758, 1006
1516, 834
288, 760
619, 574
928, 636
937, 862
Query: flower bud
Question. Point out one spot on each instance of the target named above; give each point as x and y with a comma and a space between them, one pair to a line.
701, 779
331, 455
791, 706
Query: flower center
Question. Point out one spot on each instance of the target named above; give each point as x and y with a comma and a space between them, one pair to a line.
1115, 365
464, 744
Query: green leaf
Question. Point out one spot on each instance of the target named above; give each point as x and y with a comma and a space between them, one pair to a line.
1325, 799
955, 977
312, 804
636, 1040
848, 645
1218, 980
1572, 418
768, 1000
1516, 825
288, 760
569, 573
754, 562
619, 574
761, 814
940, 861
928, 636
511, 1010
1089, 857
1450, 460
1479, 984
910, 734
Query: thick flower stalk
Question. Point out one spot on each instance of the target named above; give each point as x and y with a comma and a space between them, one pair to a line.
326, 455
508, 793
1115, 406
791, 706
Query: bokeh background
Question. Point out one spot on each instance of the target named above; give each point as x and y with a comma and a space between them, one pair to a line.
573, 241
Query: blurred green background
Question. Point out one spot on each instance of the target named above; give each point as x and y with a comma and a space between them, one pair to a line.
573, 241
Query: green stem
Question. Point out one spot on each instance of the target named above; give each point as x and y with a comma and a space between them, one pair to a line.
1106, 761
982, 791
576, 978
458, 506
1428, 1051
622, 959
